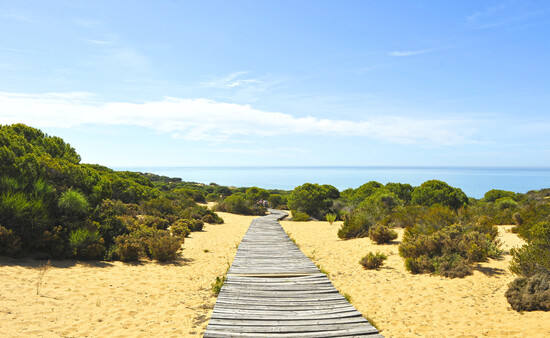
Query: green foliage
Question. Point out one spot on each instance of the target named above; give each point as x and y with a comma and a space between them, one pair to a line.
73, 203
438, 192
213, 197
373, 260
312, 199
365, 191
129, 248
276, 201
255, 194
534, 256
163, 247
402, 191
180, 228
530, 293
447, 250
495, 194
381, 234
506, 203
298, 216
10, 243
356, 224
86, 244
331, 218
217, 285
237, 204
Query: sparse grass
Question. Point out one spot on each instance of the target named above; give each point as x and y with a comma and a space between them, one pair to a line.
330, 218
347, 297
41, 272
217, 285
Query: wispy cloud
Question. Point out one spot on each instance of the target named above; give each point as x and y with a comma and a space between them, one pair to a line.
17, 16
99, 42
209, 120
410, 52
507, 13
233, 80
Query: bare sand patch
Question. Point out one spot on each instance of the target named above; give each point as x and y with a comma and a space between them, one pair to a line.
115, 299
406, 305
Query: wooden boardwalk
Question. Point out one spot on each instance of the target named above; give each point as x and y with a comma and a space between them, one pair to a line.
273, 290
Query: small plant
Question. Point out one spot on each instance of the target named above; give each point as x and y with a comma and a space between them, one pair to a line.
298, 216
331, 218
373, 260
217, 285
347, 297
41, 272
180, 228
381, 234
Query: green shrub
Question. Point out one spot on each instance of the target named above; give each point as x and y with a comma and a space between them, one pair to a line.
237, 204
452, 266
534, 256
373, 260
313, 199
163, 247
213, 197
506, 203
382, 234
10, 243
212, 218
86, 244
530, 293
438, 192
72, 202
154, 222
129, 248
448, 251
495, 194
180, 228
330, 217
298, 216
356, 224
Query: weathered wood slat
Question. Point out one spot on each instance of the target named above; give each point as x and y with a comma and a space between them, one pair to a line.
273, 290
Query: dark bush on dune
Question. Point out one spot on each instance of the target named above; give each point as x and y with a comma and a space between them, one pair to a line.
356, 224
373, 260
10, 243
381, 234
530, 293
163, 247
129, 248
180, 228
447, 250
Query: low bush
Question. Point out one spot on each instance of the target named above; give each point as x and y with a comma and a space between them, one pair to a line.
298, 216
381, 234
373, 260
449, 251
213, 197
530, 293
180, 228
154, 222
86, 244
356, 224
163, 247
217, 285
10, 243
212, 218
129, 248
330, 217
237, 204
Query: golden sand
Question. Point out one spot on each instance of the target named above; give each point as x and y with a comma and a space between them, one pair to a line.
407, 305
115, 299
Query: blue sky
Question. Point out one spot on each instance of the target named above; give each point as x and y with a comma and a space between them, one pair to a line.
195, 83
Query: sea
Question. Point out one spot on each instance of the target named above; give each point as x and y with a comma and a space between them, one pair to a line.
474, 181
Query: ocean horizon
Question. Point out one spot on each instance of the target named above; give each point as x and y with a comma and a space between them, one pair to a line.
474, 181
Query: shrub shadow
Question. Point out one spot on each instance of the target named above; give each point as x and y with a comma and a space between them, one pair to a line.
488, 271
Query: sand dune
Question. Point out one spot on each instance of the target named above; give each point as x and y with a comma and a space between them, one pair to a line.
115, 299
406, 305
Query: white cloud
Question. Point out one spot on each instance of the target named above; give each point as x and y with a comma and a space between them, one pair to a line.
204, 119
410, 52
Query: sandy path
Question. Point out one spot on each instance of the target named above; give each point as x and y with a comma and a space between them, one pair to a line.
116, 299
406, 305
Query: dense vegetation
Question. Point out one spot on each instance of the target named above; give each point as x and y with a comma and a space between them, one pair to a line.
51, 205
